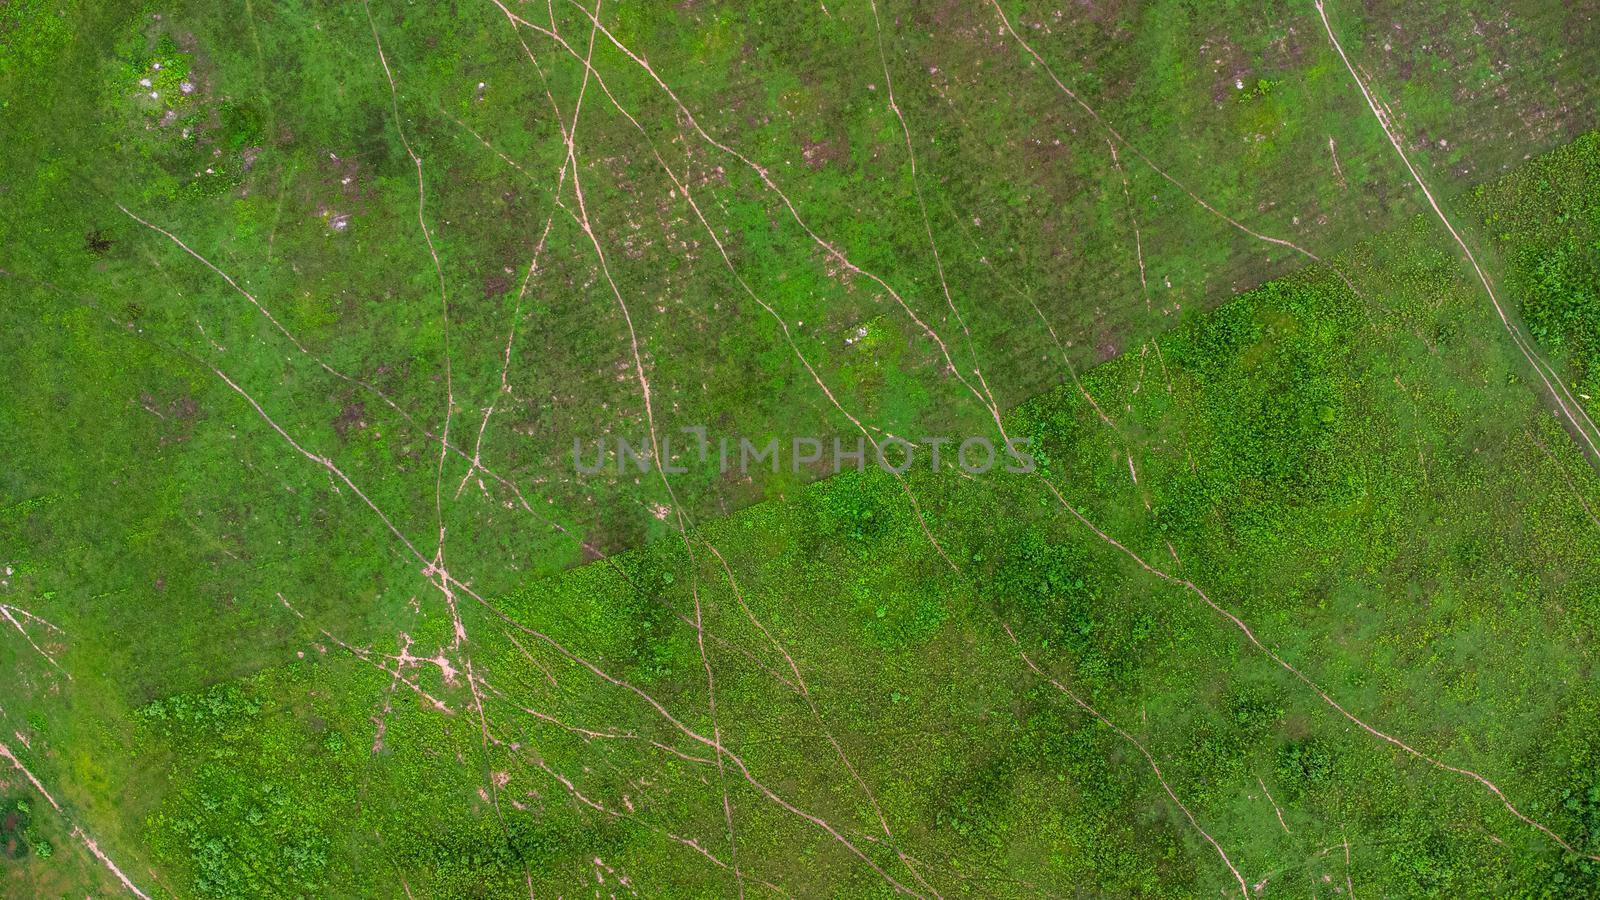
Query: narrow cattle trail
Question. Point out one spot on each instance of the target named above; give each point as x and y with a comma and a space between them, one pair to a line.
627, 813
816, 716
1279, 812
427, 236
927, 223
402, 660
1244, 889
1072, 371
16, 615
1050, 329
1133, 219
592, 734
505, 387
1572, 487
1349, 886
1143, 157
1326, 698
1333, 153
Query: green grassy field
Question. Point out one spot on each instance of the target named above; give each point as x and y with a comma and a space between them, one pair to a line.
304, 306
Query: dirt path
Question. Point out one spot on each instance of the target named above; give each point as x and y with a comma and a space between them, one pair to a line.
1570, 410
77, 830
